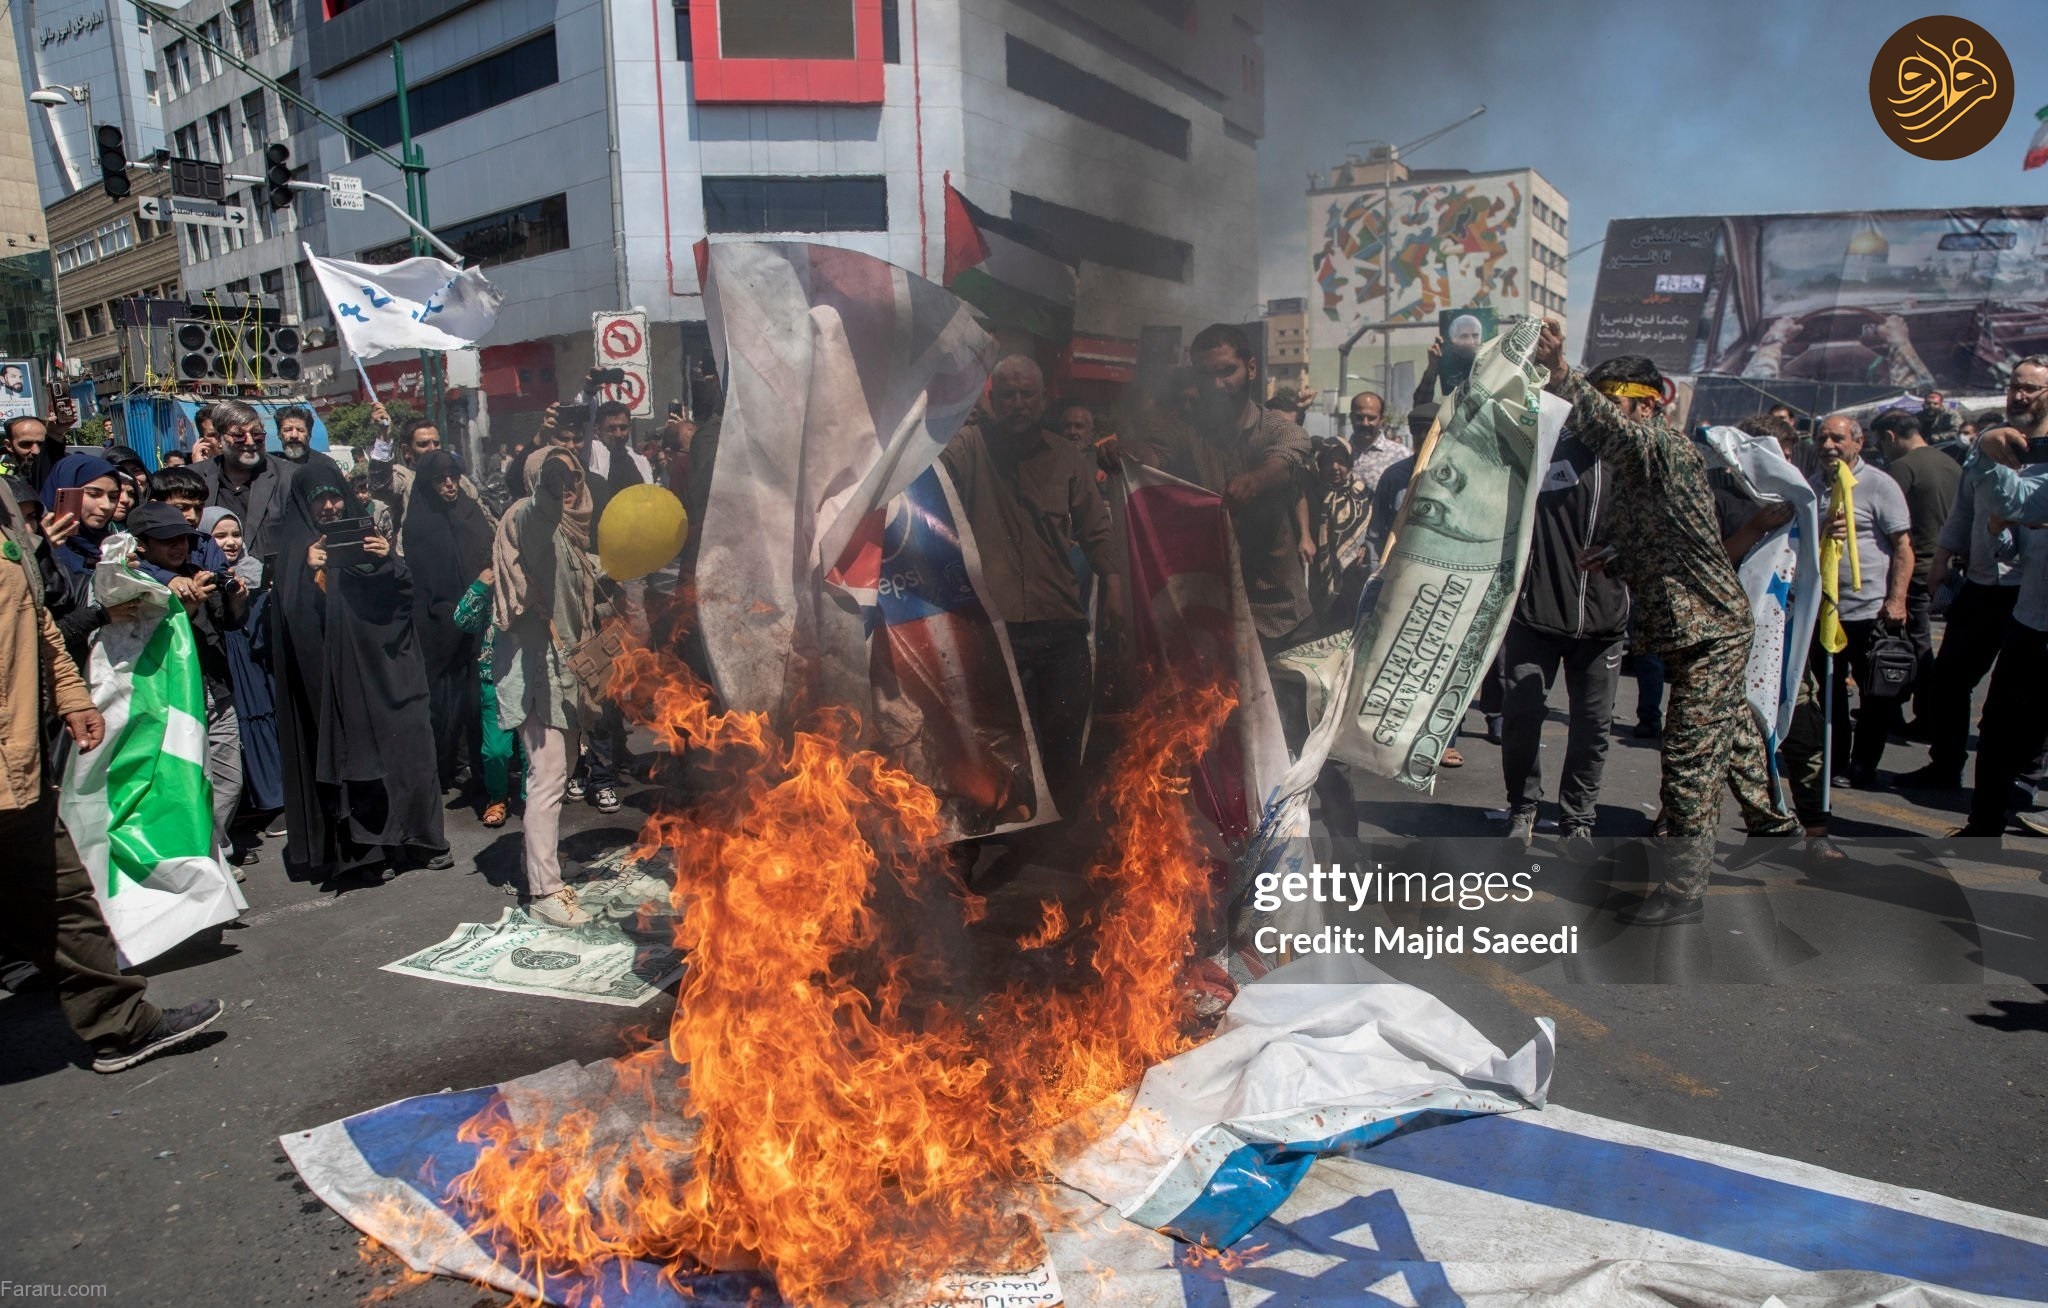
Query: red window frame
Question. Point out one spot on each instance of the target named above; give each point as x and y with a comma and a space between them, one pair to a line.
718, 80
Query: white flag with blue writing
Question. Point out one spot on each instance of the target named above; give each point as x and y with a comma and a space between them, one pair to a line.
415, 304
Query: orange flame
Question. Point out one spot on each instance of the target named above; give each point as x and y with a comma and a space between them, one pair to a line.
836, 1102
1052, 925
378, 1259
1207, 1258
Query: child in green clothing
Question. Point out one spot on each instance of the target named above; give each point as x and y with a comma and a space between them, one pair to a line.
473, 615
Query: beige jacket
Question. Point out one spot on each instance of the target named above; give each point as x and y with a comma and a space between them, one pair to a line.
35, 671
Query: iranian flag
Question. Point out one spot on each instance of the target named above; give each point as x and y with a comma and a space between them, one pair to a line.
139, 807
1013, 275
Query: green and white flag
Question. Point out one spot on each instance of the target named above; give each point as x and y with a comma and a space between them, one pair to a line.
139, 807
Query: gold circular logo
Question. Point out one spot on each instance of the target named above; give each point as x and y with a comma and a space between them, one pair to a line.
1941, 87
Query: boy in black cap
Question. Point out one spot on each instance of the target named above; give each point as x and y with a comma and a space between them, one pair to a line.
216, 602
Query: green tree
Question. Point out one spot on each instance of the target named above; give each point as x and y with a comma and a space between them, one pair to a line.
350, 424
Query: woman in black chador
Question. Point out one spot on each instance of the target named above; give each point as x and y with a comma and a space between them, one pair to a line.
352, 707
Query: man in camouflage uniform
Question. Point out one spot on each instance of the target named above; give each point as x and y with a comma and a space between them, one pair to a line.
1688, 608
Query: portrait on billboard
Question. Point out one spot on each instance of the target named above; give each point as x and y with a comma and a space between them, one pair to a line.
18, 389
1835, 308
1902, 300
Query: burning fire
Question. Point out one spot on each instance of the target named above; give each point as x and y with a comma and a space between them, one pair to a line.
843, 1100
1051, 926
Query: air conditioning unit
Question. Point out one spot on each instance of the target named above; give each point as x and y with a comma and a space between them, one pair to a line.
154, 98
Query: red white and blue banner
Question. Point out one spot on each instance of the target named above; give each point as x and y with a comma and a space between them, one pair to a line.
845, 377
1191, 621
945, 703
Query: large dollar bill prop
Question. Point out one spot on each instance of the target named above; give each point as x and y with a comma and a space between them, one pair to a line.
1388, 696
1393, 692
624, 956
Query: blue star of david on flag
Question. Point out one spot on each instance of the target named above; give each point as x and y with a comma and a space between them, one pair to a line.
415, 304
1350, 1249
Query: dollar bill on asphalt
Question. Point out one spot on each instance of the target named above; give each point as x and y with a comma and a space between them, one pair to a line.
1449, 584
623, 956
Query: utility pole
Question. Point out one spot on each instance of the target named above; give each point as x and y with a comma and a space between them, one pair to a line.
433, 368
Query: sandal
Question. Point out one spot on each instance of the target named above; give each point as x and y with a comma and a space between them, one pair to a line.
494, 813
1451, 759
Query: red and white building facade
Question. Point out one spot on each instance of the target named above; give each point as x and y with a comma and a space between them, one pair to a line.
580, 149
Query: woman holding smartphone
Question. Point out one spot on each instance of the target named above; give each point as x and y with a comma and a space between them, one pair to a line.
80, 497
86, 490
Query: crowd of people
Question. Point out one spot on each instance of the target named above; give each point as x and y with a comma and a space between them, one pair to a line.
370, 642
376, 638
1634, 560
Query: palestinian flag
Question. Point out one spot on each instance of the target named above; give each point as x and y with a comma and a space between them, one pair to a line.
1013, 275
139, 807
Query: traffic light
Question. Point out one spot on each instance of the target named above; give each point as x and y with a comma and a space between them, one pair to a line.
113, 161
278, 172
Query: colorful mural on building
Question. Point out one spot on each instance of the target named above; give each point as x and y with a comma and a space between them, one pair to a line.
1453, 247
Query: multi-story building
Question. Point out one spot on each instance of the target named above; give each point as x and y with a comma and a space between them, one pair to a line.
102, 51
27, 297
215, 112
105, 252
85, 62
1286, 344
21, 210
580, 148
1493, 240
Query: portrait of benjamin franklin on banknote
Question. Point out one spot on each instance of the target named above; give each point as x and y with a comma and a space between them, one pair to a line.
1462, 509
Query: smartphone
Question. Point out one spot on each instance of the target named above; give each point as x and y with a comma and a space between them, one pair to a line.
675, 409
71, 500
2037, 450
348, 533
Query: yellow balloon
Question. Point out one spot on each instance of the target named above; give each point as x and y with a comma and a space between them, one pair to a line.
642, 529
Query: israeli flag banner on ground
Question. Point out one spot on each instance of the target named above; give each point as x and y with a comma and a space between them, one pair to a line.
1356, 1144
139, 807
414, 304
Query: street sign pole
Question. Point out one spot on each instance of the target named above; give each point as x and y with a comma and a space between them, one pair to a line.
433, 377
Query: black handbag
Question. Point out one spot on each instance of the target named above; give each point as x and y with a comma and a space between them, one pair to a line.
1892, 664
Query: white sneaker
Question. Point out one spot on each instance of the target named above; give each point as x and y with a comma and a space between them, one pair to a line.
559, 909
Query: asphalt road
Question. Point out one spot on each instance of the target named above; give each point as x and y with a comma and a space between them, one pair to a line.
166, 1184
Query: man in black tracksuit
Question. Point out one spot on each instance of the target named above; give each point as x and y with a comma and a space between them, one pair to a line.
1571, 618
